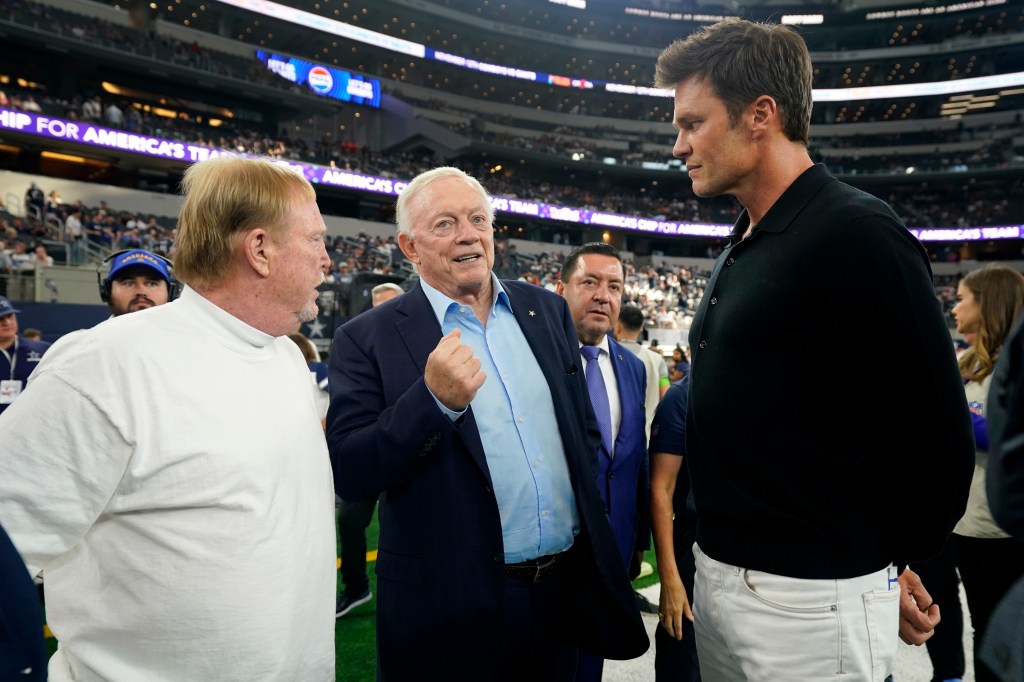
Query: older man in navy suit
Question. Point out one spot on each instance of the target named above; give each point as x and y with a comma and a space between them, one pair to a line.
462, 404
592, 282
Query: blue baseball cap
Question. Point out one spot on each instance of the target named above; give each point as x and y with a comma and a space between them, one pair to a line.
6, 307
138, 257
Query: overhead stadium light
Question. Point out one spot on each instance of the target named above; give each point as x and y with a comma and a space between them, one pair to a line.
803, 19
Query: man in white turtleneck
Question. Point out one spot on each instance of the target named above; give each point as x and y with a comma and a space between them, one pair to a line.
181, 505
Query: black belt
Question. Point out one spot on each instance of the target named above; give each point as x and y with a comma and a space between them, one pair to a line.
536, 570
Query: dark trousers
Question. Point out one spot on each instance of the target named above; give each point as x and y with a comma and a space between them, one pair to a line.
946, 647
535, 647
353, 520
989, 568
676, 660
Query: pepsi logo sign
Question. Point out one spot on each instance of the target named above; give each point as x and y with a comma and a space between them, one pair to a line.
320, 80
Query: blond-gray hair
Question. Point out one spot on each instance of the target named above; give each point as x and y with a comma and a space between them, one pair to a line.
224, 197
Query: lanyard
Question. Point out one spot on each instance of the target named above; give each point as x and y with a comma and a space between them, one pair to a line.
11, 359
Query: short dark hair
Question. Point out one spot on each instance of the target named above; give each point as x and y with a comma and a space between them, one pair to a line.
590, 247
742, 60
631, 317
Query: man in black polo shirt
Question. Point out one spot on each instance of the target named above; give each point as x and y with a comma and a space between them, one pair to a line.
814, 482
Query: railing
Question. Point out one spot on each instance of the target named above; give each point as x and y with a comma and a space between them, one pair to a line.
55, 284
21, 286
14, 205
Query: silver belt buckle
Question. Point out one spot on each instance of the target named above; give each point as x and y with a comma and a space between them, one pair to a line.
541, 568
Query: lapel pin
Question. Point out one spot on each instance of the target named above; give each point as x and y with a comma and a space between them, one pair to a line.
533, 314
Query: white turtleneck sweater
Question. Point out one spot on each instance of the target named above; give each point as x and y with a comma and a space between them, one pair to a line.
168, 471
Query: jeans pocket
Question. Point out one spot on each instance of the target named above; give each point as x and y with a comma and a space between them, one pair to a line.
882, 613
792, 595
805, 623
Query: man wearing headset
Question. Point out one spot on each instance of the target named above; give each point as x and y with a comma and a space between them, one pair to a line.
137, 280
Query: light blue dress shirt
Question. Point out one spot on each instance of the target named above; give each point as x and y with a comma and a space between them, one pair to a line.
516, 419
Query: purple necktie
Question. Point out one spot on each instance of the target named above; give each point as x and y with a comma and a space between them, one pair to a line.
598, 396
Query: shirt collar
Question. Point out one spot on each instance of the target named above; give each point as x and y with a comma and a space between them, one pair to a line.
603, 346
788, 206
441, 303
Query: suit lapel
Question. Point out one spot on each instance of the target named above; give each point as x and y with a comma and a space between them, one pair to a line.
537, 330
625, 387
535, 320
421, 333
418, 327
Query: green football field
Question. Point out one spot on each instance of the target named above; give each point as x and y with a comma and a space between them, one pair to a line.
354, 639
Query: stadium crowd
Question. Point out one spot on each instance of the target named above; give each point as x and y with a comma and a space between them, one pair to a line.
253, 263
666, 292
985, 148
920, 206
54, 225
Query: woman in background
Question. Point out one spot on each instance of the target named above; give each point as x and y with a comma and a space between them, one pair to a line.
54, 202
990, 560
679, 368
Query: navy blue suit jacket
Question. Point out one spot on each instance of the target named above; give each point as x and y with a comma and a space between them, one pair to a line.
440, 561
625, 481
21, 619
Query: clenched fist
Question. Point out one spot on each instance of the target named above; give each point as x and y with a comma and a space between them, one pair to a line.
453, 374
918, 613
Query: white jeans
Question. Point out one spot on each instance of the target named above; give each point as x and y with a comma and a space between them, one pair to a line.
761, 627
